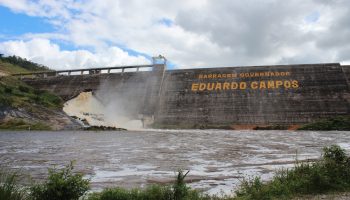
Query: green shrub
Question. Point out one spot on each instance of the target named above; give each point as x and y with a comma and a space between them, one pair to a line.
19, 95
330, 173
341, 123
180, 188
61, 184
9, 189
38, 91
36, 99
50, 100
8, 90
19, 124
337, 167
23, 88
5, 101
150, 193
178, 191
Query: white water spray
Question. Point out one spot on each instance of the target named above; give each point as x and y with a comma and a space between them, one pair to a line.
87, 107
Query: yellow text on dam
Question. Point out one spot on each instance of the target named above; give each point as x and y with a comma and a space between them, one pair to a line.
255, 85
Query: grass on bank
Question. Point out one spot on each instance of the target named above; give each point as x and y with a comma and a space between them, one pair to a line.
329, 174
61, 185
14, 93
19, 124
9, 187
340, 123
9, 68
17, 96
178, 191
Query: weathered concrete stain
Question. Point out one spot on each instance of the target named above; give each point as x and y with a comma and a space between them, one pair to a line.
223, 97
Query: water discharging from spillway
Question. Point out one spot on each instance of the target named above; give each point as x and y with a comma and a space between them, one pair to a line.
88, 108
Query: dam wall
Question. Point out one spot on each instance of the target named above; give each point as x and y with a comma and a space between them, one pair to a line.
220, 97
135, 93
258, 95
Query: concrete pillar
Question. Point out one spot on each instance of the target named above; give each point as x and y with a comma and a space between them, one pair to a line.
159, 68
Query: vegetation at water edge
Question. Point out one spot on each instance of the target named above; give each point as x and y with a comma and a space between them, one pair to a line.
25, 108
19, 124
331, 173
341, 123
103, 128
61, 185
9, 187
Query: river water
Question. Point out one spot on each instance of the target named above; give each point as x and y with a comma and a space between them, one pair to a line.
217, 159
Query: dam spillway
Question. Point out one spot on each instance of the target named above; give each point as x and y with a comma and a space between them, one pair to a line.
217, 97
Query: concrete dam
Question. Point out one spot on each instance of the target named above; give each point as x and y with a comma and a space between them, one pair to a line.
233, 97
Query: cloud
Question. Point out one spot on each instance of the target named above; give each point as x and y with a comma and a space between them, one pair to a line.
47, 53
200, 32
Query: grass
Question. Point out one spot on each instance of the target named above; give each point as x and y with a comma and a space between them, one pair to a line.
151, 192
61, 185
11, 69
330, 174
103, 128
19, 124
17, 96
178, 191
340, 123
15, 93
23, 63
9, 188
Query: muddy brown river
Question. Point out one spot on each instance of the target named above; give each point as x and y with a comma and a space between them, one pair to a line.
217, 159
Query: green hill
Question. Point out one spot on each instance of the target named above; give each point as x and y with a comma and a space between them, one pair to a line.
8, 68
16, 64
25, 108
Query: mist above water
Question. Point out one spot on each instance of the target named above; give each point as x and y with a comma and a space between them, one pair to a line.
89, 107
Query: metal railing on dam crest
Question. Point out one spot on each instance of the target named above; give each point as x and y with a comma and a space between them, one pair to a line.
86, 71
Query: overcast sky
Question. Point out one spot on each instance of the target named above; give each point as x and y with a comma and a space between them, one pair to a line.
67, 34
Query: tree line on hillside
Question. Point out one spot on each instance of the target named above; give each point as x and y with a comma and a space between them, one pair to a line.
22, 62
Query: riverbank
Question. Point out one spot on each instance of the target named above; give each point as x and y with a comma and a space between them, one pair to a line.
25, 108
327, 176
217, 159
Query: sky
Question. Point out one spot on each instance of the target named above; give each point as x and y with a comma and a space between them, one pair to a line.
69, 34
